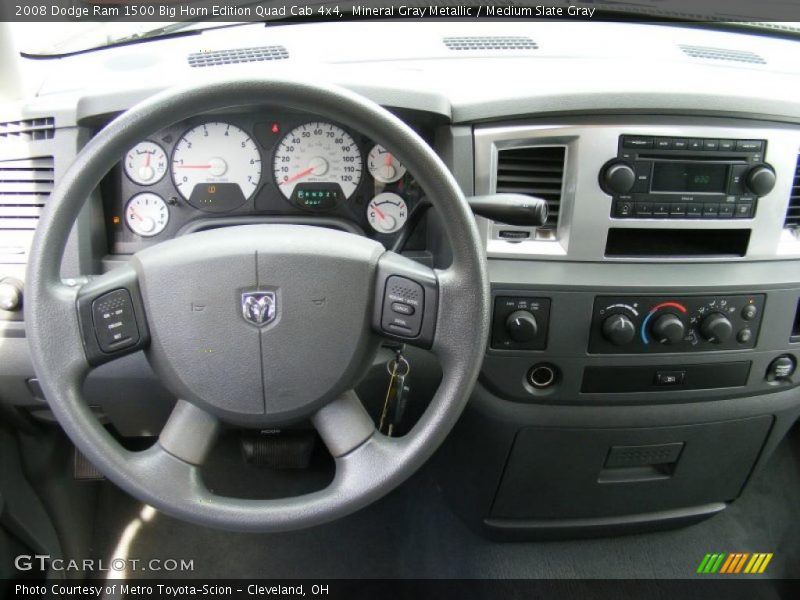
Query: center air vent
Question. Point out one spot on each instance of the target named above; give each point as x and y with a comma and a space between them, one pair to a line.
490, 43
25, 185
723, 54
237, 55
793, 210
28, 130
537, 171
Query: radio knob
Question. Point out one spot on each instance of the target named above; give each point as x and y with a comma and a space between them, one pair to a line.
760, 180
668, 329
619, 330
618, 177
522, 326
716, 328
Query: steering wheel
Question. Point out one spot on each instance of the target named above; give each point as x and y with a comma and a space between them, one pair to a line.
257, 325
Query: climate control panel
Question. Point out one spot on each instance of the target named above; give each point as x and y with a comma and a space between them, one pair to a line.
655, 324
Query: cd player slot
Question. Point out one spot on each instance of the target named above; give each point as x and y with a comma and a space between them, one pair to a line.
727, 159
676, 243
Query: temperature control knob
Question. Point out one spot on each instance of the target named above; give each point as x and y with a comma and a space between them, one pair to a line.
522, 326
618, 177
760, 180
716, 328
619, 330
668, 329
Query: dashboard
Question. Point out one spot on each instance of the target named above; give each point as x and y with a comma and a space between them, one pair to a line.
649, 330
258, 166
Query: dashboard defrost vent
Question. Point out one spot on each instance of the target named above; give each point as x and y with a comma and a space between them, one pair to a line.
743, 56
25, 185
490, 43
237, 55
28, 130
793, 210
537, 171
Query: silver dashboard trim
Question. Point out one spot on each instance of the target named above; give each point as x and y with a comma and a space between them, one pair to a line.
586, 210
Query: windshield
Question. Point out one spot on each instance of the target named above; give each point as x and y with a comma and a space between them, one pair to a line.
36, 37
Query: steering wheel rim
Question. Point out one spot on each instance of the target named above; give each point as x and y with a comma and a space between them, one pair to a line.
368, 464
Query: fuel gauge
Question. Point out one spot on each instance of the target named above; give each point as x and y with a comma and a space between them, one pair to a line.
387, 213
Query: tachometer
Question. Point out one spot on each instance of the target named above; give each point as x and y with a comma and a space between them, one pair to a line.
216, 166
317, 165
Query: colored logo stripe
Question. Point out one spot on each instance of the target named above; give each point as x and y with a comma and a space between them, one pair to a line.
734, 563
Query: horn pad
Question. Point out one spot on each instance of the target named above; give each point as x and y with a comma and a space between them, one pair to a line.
260, 324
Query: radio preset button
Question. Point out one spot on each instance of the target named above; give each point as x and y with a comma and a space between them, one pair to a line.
694, 210
677, 209
661, 209
710, 210
637, 142
725, 211
749, 145
644, 209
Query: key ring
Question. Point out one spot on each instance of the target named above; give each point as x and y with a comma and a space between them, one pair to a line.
394, 367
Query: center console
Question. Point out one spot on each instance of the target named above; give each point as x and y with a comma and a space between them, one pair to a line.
644, 346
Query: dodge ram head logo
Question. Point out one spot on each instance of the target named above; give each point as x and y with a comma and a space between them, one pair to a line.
258, 307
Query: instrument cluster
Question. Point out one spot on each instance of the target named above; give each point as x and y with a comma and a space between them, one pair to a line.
240, 165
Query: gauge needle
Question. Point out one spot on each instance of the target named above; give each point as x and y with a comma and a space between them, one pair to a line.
388, 160
147, 161
297, 176
380, 212
194, 166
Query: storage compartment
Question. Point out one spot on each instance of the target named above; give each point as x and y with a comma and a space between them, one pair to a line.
665, 378
676, 243
591, 473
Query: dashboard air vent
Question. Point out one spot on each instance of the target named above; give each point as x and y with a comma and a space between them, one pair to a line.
490, 43
793, 210
25, 185
237, 55
723, 54
28, 130
537, 171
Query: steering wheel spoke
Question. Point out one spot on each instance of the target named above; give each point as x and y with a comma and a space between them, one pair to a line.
344, 424
406, 300
111, 316
189, 433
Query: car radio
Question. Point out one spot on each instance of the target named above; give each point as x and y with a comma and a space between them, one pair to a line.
686, 178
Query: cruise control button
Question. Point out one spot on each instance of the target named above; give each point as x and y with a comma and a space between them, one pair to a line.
403, 309
114, 322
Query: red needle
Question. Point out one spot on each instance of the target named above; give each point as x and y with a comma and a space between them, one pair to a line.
388, 160
297, 176
380, 212
147, 162
194, 166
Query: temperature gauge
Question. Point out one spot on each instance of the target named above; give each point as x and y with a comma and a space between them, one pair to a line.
146, 163
387, 213
146, 214
383, 166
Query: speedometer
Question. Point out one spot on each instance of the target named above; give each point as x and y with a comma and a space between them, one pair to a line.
216, 167
317, 165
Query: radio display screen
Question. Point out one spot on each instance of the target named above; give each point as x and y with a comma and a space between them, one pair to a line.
689, 177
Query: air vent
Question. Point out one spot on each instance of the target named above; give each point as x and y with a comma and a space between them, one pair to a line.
742, 56
490, 43
237, 55
793, 210
28, 130
537, 171
25, 185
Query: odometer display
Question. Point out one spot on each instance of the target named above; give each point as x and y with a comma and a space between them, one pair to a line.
317, 157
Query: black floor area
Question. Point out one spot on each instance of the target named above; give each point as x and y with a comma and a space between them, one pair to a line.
412, 534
